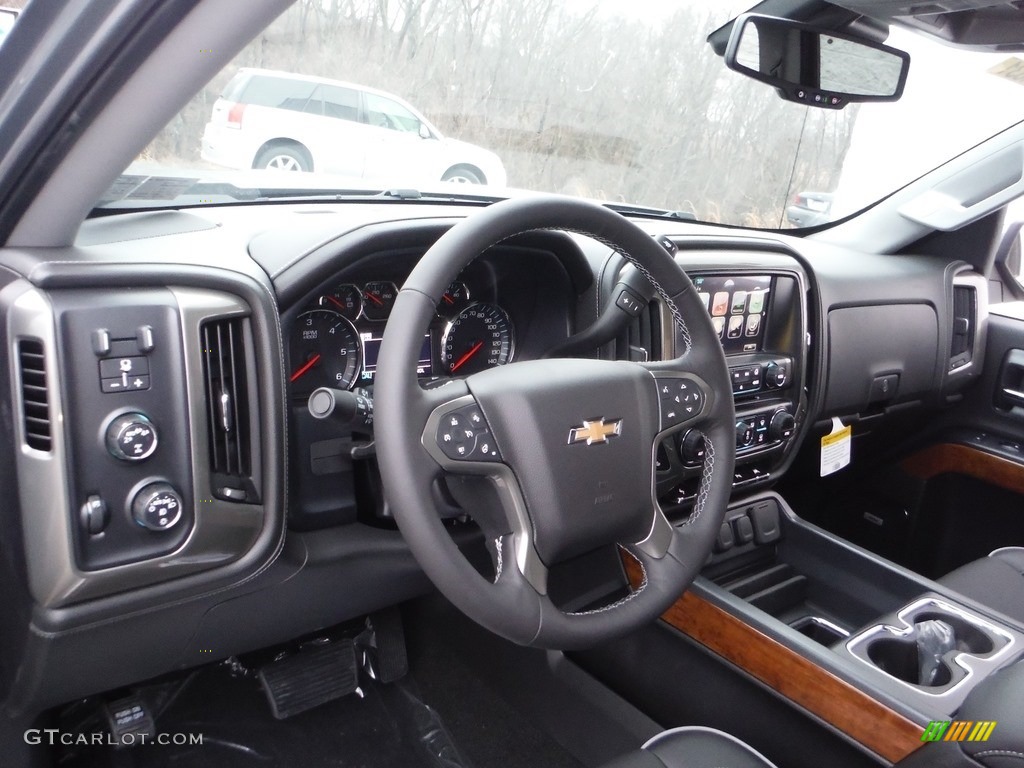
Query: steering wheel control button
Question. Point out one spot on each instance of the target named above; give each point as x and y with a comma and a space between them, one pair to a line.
463, 435
681, 400
630, 303
157, 507
131, 437
94, 515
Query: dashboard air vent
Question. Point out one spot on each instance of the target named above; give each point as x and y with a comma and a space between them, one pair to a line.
34, 397
228, 407
965, 313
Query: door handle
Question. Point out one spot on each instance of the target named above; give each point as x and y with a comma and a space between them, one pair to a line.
1010, 389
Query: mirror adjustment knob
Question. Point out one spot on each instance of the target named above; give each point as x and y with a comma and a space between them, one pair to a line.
157, 507
131, 437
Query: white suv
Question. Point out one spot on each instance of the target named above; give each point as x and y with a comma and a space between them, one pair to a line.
278, 120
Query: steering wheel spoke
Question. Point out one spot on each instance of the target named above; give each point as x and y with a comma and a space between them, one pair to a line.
459, 438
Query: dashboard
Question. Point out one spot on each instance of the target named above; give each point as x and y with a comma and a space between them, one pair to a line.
192, 501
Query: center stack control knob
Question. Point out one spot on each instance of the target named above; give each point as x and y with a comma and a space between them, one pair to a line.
782, 425
131, 437
744, 434
691, 447
776, 375
157, 507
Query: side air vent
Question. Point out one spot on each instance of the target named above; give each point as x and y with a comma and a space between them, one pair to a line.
228, 408
34, 398
965, 317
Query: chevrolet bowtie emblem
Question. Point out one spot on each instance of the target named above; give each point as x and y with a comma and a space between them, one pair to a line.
598, 431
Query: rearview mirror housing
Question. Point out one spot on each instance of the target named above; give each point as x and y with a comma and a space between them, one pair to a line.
815, 66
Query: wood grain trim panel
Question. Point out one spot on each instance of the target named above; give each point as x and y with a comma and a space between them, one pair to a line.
850, 710
965, 460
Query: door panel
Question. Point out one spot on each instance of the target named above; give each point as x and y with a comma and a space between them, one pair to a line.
971, 476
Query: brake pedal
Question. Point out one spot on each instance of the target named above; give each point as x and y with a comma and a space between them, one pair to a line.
309, 678
384, 646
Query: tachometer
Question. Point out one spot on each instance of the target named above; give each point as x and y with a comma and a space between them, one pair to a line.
479, 337
325, 351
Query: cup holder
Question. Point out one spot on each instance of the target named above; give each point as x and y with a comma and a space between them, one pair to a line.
899, 644
900, 658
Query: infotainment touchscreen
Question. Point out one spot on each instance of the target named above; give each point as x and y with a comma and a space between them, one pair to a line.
738, 305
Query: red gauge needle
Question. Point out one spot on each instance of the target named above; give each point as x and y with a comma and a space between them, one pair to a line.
336, 303
375, 299
448, 298
305, 368
462, 360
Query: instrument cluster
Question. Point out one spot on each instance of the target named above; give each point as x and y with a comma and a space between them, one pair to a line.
335, 341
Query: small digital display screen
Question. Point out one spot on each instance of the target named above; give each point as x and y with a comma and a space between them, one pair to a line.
738, 305
371, 348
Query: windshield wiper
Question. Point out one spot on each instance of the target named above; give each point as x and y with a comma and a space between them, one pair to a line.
146, 191
393, 193
643, 210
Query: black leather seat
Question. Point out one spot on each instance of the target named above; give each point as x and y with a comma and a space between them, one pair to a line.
693, 747
996, 581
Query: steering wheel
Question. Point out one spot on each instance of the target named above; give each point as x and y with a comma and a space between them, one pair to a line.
554, 458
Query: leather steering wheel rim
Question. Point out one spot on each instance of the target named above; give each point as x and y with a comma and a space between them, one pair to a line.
408, 419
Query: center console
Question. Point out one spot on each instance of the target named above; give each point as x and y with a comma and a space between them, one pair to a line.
804, 611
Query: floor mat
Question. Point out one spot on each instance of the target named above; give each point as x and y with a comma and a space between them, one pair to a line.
489, 731
387, 728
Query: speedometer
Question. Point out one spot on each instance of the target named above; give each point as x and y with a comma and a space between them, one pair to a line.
479, 337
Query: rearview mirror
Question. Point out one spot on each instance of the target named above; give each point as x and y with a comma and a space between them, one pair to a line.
815, 66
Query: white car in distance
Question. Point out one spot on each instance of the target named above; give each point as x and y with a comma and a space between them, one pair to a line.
266, 119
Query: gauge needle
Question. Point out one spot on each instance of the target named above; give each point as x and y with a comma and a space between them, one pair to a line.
462, 360
336, 303
305, 368
448, 298
375, 299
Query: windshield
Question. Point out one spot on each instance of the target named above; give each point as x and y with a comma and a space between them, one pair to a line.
617, 100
